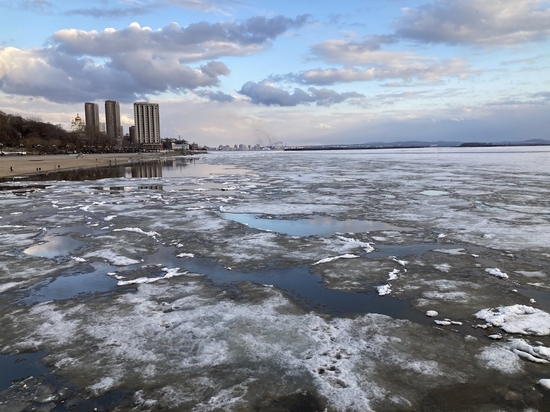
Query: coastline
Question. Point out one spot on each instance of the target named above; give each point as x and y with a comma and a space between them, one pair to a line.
14, 166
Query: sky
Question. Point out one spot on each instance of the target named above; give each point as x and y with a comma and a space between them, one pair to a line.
297, 72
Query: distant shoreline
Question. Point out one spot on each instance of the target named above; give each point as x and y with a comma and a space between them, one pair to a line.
366, 147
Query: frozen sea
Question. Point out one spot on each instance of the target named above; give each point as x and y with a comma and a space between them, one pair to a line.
378, 280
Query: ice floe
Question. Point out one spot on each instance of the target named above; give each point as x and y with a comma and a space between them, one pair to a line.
520, 319
137, 230
545, 383
496, 272
431, 313
384, 290
457, 251
500, 358
356, 243
537, 354
170, 273
112, 257
330, 259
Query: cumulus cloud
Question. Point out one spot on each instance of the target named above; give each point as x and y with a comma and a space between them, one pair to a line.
267, 93
195, 42
375, 63
130, 63
488, 23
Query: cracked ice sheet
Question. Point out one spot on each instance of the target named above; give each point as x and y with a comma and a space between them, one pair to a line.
392, 192
180, 338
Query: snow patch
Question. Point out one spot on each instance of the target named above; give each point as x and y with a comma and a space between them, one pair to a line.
496, 272
521, 319
330, 259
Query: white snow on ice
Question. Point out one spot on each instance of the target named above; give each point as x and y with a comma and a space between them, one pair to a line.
496, 272
521, 319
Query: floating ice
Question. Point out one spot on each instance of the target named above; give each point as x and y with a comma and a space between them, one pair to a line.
498, 357
545, 383
170, 273
330, 259
458, 251
384, 290
443, 322
112, 257
431, 313
186, 255
521, 319
531, 274
538, 354
102, 386
354, 242
7, 286
444, 267
137, 230
496, 272
401, 262
393, 274
110, 217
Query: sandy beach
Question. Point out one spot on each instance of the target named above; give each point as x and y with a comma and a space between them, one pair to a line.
12, 166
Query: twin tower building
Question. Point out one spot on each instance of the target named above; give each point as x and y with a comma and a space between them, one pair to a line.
146, 130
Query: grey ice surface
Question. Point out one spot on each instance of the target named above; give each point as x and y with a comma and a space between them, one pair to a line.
284, 281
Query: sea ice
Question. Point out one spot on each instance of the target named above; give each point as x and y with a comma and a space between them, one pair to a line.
545, 383
431, 313
330, 259
538, 354
384, 290
500, 358
496, 272
521, 319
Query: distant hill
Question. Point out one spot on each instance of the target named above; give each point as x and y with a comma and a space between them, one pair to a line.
418, 144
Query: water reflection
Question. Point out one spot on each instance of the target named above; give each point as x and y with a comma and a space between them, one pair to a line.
72, 285
54, 246
318, 225
176, 167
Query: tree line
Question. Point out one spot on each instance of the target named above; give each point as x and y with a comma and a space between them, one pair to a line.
36, 136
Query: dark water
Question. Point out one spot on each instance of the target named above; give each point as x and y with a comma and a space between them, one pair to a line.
72, 285
54, 246
18, 367
307, 289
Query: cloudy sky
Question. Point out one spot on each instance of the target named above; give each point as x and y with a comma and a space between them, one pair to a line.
299, 72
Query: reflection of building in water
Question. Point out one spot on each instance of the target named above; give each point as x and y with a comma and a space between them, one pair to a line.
149, 169
147, 122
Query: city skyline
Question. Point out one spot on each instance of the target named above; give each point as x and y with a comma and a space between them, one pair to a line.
298, 72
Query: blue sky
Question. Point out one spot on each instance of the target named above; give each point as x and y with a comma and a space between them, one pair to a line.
300, 72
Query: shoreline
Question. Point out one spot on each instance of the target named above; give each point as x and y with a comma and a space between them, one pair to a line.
14, 166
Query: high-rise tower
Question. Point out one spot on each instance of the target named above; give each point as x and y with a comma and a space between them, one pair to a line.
91, 114
146, 118
112, 119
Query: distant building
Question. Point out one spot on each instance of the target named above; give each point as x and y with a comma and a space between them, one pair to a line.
77, 125
91, 114
147, 122
112, 119
132, 133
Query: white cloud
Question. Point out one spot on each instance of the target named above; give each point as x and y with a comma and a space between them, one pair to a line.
487, 23
136, 61
377, 64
